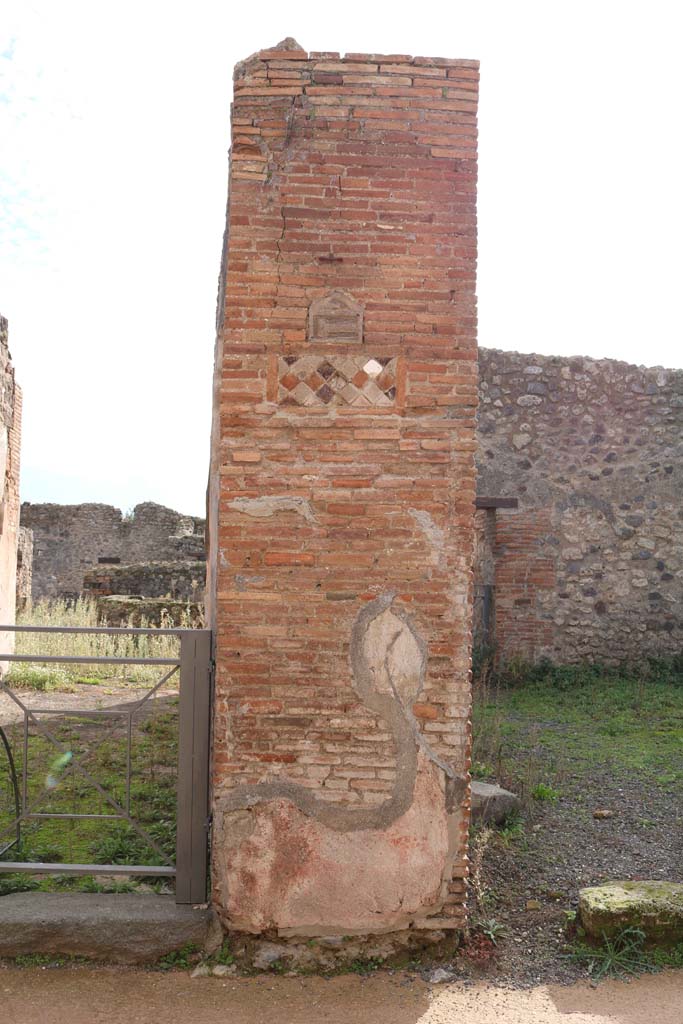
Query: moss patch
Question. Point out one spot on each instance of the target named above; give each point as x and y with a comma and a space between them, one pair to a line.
654, 907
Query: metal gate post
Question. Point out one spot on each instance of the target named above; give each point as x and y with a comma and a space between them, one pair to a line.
193, 766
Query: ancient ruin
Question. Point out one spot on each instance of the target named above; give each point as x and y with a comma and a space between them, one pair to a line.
589, 566
71, 540
342, 495
578, 534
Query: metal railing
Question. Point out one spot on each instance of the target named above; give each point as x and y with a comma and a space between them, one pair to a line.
193, 668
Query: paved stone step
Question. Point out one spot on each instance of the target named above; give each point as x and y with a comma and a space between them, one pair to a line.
124, 928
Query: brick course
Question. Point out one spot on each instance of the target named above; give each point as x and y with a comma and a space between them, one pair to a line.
355, 174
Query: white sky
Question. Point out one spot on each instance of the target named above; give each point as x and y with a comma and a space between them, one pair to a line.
113, 174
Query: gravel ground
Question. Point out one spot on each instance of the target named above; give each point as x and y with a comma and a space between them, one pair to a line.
562, 849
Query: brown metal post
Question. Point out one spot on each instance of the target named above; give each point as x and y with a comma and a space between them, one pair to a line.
193, 766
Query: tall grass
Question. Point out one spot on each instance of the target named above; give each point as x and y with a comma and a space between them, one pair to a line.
84, 613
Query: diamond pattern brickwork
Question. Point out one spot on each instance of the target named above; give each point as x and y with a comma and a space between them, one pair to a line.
359, 380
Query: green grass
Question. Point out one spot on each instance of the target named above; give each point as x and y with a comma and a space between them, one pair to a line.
625, 955
618, 957
153, 798
583, 716
99, 743
542, 791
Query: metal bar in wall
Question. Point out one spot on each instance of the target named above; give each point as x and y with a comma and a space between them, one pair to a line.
482, 502
193, 767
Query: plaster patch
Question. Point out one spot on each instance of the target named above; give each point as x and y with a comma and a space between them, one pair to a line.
270, 505
305, 846
432, 532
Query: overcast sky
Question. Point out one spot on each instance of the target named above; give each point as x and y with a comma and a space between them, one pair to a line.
113, 175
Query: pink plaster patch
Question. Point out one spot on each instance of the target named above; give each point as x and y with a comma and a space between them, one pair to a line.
292, 872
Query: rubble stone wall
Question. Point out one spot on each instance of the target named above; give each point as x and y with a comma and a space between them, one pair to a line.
70, 539
24, 567
181, 581
590, 566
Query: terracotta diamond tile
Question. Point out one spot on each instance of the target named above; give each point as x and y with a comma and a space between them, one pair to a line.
349, 394
314, 381
359, 380
304, 395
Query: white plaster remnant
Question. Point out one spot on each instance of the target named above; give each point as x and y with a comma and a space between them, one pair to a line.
270, 505
432, 532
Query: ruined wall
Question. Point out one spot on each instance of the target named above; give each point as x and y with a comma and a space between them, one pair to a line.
70, 539
342, 495
10, 449
181, 581
24, 567
591, 564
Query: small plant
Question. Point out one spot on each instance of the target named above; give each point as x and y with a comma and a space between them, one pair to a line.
492, 929
223, 956
179, 959
38, 960
512, 830
617, 956
542, 791
365, 964
672, 957
18, 882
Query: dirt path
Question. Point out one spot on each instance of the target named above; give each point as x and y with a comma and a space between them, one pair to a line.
104, 696
86, 996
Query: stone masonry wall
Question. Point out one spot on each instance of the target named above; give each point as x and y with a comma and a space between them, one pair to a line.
10, 450
70, 539
24, 567
342, 495
181, 581
590, 566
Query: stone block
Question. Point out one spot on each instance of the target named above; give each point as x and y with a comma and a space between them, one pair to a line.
655, 907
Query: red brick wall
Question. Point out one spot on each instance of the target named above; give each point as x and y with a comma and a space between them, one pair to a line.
524, 571
355, 174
